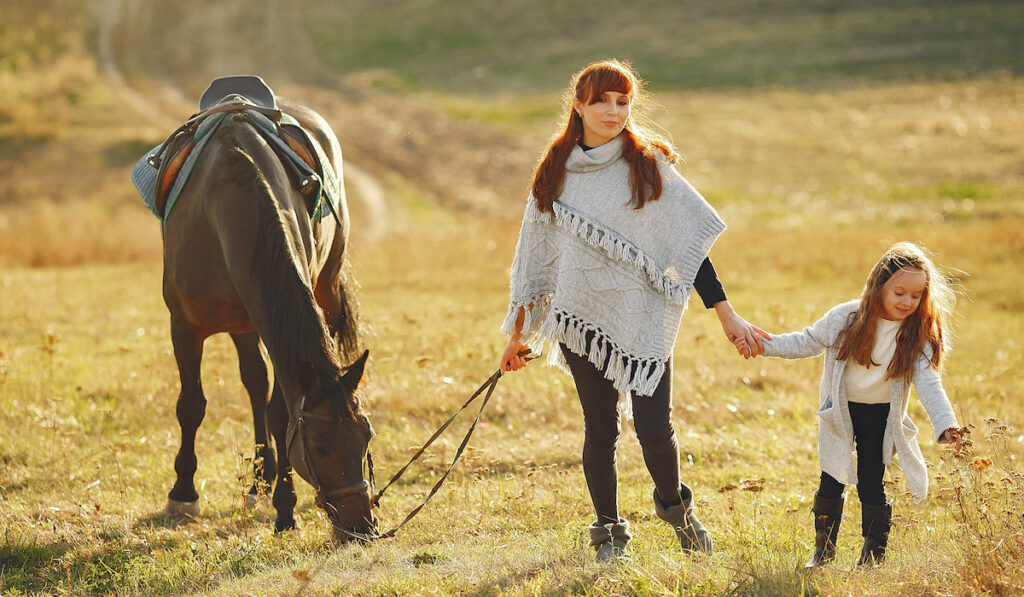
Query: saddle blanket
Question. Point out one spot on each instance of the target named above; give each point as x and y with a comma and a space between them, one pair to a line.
144, 175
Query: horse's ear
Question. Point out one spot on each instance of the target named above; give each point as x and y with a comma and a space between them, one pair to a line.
354, 374
308, 381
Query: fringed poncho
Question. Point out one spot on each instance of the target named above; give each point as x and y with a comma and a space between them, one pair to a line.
609, 281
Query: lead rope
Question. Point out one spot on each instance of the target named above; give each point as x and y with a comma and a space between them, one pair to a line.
489, 385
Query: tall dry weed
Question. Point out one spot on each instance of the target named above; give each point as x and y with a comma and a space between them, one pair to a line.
46, 233
985, 497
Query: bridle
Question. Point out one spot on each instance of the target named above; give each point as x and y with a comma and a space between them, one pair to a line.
323, 494
301, 415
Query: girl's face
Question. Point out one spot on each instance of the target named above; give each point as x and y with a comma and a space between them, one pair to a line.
901, 294
605, 118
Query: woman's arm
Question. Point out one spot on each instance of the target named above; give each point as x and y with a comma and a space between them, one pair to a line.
512, 358
712, 293
707, 284
748, 338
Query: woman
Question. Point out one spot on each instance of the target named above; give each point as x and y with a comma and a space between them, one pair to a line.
613, 240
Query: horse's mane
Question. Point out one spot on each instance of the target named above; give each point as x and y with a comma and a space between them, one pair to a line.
296, 322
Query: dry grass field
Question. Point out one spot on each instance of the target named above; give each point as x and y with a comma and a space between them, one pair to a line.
89, 385
814, 181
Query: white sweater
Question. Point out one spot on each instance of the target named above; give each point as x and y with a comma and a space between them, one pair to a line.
835, 429
608, 280
867, 384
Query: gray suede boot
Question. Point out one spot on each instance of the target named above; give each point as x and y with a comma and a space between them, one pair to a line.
691, 533
610, 540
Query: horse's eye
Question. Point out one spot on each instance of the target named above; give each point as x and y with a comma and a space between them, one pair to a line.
322, 442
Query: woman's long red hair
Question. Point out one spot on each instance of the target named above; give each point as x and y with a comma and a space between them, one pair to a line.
925, 326
640, 144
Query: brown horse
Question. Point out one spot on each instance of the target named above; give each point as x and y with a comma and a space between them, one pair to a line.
243, 256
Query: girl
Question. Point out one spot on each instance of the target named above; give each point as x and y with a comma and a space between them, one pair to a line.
875, 348
612, 241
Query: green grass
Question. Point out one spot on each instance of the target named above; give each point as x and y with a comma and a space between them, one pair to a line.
466, 46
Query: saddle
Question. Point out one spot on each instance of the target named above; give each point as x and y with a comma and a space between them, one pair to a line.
250, 96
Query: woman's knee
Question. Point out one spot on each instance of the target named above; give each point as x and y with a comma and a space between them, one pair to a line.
655, 433
604, 430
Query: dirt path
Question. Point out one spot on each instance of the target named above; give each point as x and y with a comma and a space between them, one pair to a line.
359, 184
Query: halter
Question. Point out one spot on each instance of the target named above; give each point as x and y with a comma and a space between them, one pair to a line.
368, 488
323, 495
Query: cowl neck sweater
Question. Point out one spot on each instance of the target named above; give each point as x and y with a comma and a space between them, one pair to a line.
609, 281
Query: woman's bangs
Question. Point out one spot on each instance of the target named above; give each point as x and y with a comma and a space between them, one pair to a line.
602, 80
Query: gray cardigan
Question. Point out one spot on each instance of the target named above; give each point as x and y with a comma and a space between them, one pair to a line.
835, 429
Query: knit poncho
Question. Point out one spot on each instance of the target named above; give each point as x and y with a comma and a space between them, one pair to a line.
609, 281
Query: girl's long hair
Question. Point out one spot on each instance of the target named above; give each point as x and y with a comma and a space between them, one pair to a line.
640, 143
925, 326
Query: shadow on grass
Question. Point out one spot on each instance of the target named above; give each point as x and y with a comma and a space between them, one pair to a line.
762, 578
580, 583
255, 516
162, 563
23, 561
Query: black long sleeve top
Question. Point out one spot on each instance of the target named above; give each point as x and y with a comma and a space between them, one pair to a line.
707, 284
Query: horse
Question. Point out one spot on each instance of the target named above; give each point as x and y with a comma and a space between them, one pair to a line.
242, 255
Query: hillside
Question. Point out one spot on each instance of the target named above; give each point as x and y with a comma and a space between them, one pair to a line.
528, 45
450, 102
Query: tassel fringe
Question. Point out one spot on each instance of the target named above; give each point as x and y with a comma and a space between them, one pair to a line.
627, 373
675, 290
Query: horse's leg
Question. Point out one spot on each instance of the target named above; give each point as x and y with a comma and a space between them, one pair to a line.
284, 491
191, 408
253, 370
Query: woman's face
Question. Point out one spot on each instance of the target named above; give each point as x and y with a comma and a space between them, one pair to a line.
605, 118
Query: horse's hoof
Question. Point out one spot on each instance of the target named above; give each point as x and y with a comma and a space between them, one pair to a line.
285, 527
176, 508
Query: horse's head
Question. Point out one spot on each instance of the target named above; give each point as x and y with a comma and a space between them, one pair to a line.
328, 441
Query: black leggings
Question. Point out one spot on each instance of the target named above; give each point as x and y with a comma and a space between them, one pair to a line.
869, 422
652, 419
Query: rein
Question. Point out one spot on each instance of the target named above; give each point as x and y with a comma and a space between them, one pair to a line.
489, 385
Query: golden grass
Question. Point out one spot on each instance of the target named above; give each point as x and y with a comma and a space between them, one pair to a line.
814, 186
88, 387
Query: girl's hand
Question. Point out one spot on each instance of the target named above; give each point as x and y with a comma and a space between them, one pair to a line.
514, 356
742, 347
952, 435
958, 438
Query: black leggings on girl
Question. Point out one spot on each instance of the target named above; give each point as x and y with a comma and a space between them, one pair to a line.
868, 431
652, 419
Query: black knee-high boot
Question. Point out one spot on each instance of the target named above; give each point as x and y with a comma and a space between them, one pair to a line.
828, 513
875, 523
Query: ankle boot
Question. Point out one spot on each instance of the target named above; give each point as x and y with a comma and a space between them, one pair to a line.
828, 513
610, 540
691, 533
875, 523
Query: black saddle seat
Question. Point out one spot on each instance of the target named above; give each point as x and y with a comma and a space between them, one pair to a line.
250, 87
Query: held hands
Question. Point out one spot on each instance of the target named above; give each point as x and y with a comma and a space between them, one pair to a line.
745, 336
